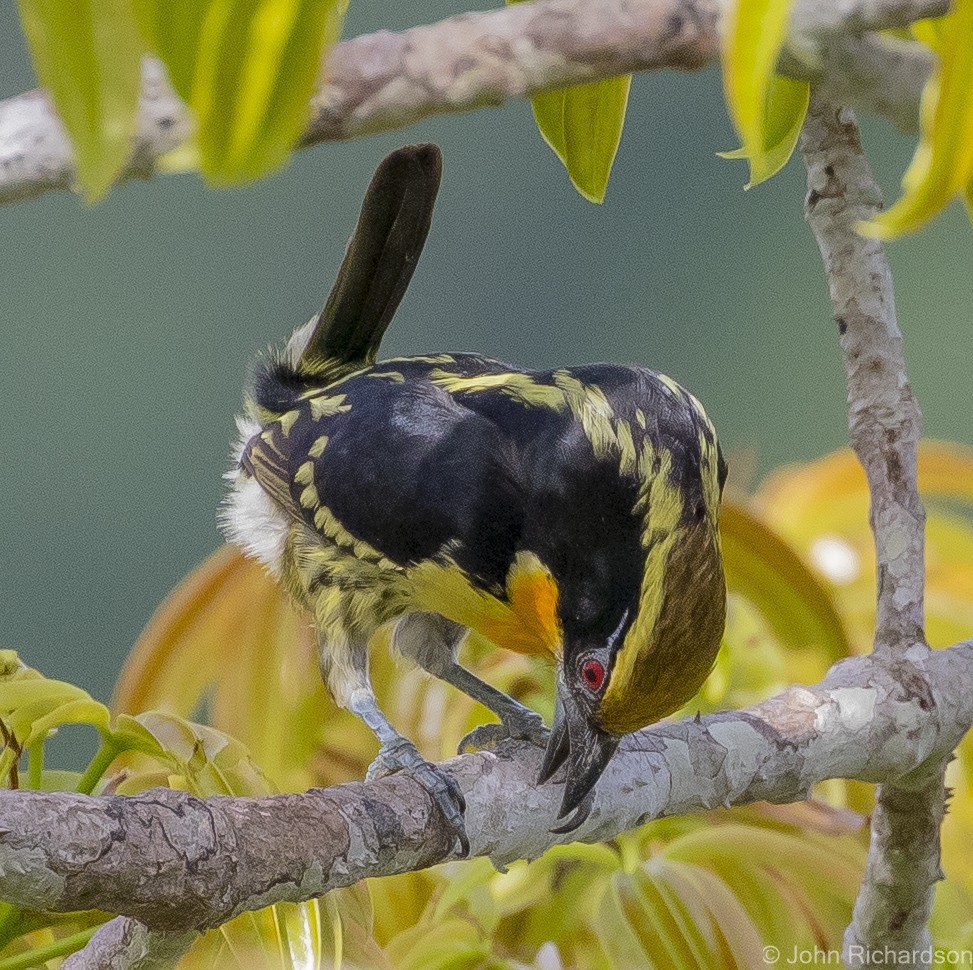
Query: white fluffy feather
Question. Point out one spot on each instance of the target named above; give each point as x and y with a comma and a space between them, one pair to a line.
248, 517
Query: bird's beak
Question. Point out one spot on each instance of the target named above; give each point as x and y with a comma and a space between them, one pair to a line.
587, 750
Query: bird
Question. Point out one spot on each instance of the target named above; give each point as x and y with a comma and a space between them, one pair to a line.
569, 513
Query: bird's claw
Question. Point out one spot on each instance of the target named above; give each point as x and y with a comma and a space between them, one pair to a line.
578, 817
526, 726
402, 755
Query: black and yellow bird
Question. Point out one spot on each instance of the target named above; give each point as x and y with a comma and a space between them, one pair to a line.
570, 512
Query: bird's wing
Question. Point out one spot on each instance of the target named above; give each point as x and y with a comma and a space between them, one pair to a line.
263, 459
399, 465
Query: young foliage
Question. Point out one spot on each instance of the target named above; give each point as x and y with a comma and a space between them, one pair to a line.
767, 109
942, 166
247, 69
87, 53
583, 126
149, 750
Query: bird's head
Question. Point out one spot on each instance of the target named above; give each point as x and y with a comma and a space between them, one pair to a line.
641, 615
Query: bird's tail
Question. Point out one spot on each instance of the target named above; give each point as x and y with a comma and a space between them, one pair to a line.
379, 263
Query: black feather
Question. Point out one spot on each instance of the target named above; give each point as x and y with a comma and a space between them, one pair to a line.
380, 260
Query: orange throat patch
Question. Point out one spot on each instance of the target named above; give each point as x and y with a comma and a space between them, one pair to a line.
525, 621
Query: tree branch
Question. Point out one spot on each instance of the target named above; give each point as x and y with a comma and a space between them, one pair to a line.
384, 81
895, 900
883, 416
125, 944
176, 862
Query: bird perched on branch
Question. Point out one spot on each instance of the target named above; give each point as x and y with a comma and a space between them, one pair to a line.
570, 512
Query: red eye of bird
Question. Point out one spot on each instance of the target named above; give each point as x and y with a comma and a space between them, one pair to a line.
593, 672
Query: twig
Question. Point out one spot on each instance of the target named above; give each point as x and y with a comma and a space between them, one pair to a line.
383, 81
125, 944
883, 416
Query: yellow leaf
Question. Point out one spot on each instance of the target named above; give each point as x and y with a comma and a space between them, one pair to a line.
821, 509
270, 697
87, 55
767, 111
764, 568
786, 107
943, 162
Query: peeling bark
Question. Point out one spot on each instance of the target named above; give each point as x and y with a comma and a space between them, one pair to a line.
893, 906
175, 862
385, 80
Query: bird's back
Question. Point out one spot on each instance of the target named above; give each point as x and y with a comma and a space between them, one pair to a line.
461, 457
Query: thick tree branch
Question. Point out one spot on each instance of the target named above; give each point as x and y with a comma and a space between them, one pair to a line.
176, 862
385, 80
893, 906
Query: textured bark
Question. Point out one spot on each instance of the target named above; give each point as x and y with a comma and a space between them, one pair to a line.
893, 906
125, 944
386, 80
883, 416
175, 862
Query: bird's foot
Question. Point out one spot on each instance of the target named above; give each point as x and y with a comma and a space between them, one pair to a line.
578, 817
402, 755
525, 725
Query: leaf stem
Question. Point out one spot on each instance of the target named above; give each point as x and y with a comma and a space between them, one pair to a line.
40, 956
35, 765
107, 753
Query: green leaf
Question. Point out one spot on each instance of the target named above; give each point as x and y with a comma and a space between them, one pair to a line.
130, 735
767, 111
787, 102
86, 53
173, 29
583, 125
57, 779
247, 68
943, 162
452, 944
31, 706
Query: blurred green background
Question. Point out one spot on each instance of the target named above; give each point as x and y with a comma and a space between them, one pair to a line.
128, 327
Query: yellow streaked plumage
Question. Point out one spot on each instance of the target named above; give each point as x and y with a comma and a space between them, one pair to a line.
569, 513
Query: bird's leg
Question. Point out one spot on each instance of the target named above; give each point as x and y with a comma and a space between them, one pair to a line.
346, 674
516, 720
432, 642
